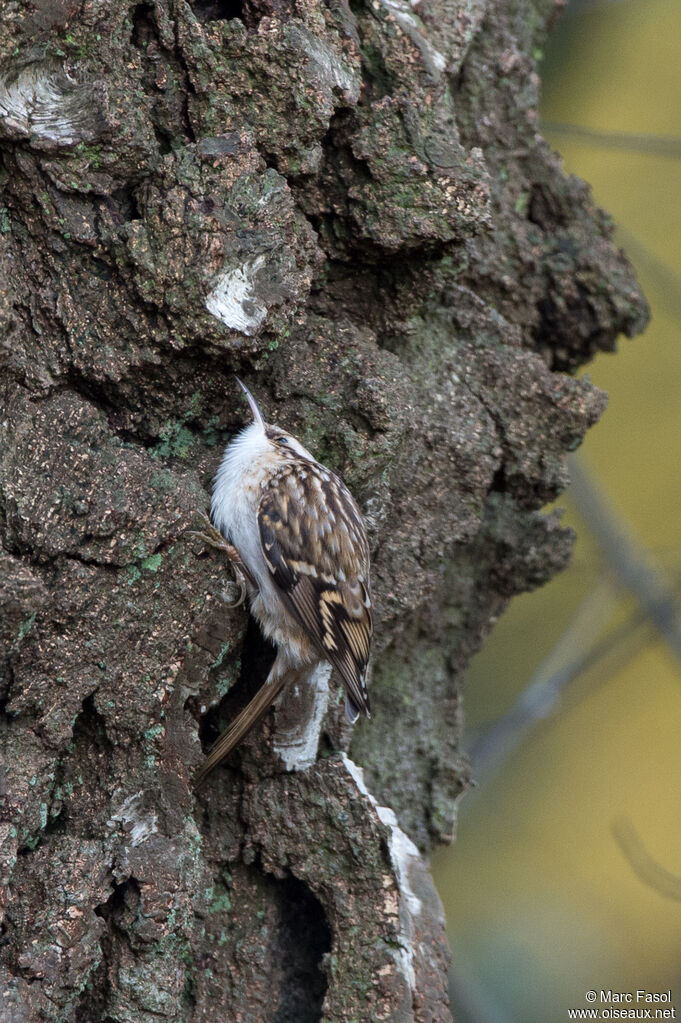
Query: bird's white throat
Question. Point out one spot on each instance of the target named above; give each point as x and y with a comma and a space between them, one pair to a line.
249, 451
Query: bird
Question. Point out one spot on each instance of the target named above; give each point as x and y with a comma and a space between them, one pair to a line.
299, 547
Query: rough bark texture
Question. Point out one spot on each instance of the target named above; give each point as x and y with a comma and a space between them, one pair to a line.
351, 206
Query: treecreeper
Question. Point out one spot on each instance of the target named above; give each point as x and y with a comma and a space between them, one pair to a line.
299, 547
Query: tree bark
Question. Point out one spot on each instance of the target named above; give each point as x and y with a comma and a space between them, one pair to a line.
351, 206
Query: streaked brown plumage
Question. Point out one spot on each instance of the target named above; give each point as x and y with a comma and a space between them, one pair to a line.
293, 530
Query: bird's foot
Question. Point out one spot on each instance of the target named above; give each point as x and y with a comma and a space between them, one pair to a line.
212, 537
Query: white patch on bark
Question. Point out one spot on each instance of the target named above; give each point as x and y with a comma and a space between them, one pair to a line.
326, 65
130, 812
298, 747
144, 829
403, 852
434, 61
404, 855
46, 104
233, 299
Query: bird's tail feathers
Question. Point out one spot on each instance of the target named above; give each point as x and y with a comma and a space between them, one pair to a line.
241, 725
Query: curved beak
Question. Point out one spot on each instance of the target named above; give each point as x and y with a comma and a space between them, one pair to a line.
255, 408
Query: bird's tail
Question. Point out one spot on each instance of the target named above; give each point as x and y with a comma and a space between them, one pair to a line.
242, 724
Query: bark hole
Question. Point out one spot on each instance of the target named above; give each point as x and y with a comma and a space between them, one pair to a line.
122, 206
251, 12
89, 759
218, 10
143, 28
499, 481
300, 940
119, 913
120, 909
89, 728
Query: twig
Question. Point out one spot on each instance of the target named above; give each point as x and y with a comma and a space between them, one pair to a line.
657, 606
632, 565
540, 697
637, 142
642, 863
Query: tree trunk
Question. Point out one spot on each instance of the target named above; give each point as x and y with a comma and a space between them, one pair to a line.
349, 205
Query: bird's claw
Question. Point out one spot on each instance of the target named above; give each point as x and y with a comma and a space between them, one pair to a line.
241, 583
212, 537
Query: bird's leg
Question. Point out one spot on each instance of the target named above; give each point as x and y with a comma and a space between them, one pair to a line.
212, 537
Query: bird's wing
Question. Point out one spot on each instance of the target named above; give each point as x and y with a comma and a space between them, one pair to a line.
315, 546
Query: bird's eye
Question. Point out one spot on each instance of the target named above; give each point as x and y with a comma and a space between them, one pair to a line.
282, 440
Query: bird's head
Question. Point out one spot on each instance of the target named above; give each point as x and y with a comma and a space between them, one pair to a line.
280, 440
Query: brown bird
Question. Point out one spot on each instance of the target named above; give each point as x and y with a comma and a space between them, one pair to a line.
299, 546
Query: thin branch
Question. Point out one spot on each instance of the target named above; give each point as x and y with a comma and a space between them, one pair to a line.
579, 649
632, 142
644, 866
540, 697
631, 563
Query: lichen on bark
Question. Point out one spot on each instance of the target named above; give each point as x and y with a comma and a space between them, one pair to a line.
352, 207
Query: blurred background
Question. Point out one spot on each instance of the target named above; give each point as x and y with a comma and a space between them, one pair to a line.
566, 872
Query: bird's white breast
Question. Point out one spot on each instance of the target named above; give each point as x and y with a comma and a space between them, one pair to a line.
237, 490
